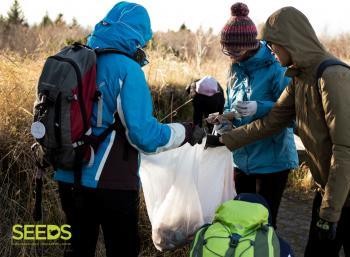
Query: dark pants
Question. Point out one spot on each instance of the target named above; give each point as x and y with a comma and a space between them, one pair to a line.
116, 211
329, 248
270, 186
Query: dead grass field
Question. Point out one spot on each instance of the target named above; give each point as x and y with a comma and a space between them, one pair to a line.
168, 71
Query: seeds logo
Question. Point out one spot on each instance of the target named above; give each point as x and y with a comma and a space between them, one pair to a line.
29, 232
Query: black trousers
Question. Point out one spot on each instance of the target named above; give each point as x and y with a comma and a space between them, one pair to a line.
270, 186
329, 248
116, 211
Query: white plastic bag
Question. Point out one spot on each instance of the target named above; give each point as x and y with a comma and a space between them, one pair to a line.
182, 189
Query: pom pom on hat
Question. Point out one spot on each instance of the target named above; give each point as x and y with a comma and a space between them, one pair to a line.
239, 9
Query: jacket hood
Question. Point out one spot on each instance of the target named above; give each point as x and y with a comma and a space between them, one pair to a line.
291, 29
125, 27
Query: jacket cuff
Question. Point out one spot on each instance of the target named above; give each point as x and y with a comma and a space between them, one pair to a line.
228, 141
329, 214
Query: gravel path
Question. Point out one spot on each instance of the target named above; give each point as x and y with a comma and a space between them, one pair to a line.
293, 222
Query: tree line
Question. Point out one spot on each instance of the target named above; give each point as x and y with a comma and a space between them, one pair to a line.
15, 16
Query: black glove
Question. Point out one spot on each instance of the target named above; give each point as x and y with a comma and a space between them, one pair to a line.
197, 135
213, 141
326, 230
194, 134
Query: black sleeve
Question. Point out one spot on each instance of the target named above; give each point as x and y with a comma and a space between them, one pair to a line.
197, 111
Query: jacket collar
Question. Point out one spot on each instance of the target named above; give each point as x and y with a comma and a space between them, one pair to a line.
263, 57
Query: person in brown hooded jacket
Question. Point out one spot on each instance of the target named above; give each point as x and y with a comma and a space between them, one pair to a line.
321, 110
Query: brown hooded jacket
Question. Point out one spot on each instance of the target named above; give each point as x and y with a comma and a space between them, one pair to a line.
322, 111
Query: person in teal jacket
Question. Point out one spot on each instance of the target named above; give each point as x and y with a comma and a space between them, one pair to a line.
256, 80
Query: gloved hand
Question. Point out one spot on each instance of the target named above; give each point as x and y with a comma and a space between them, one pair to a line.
194, 134
223, 127
197, 135
216, 118
326, 230
213, 141
246, 108
213, 118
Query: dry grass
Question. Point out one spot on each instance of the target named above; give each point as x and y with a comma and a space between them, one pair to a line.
300, 183
167, 74
36, 40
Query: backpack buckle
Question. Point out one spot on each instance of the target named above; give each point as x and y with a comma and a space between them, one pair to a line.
265, 228
234, 240
97, 96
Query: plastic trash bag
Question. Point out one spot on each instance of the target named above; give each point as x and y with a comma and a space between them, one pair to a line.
182, 189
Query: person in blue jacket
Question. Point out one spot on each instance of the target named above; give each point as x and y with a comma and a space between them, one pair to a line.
256, 80
110, 185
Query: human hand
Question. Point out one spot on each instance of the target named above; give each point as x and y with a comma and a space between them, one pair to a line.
223, 127
194, 134
246, 108
232, 115
216, 118
326, 230
213, 118
197, 135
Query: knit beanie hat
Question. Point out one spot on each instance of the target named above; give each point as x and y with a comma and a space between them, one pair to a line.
240, 32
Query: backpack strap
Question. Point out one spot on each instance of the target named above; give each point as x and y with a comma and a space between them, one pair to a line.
262, 246
95, 141
101, 51
325, 64
234, 240
41, 167
199, 242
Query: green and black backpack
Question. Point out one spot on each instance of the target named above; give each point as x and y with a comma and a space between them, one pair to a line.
240, 229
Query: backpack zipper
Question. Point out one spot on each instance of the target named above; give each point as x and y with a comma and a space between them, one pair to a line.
80, 88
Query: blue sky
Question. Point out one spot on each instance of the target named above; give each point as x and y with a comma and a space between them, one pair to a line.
329, 17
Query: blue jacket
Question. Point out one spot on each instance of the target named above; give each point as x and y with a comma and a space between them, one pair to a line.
260, 78
124, 89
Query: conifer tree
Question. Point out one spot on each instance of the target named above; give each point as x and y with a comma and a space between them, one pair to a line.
59, 20
46, 21
15, 15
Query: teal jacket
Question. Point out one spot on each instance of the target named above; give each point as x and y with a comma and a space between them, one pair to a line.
261, 78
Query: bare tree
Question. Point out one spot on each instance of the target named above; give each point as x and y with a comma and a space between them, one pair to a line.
202, 43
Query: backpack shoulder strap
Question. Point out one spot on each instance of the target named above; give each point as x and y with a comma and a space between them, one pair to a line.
325, 64
199, 242
100, 51
234, 240
266, 242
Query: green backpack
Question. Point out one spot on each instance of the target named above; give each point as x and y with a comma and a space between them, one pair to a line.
239, 229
